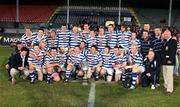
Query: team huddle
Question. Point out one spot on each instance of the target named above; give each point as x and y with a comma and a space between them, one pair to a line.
110, 55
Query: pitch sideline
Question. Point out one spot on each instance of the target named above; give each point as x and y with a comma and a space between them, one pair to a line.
91, 99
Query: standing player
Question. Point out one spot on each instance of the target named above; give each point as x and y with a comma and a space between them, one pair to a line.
134, 40
124, 37
52, 41
75, 37
91, 39
101, 40
63, 37
39, 37
146, 43
157, 45
85, 32
28, 37
168, 56
112, 37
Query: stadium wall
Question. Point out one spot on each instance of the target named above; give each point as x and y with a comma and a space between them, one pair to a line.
9, 39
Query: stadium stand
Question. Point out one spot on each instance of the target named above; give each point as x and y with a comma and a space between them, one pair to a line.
41, 13
157, 16
93, 14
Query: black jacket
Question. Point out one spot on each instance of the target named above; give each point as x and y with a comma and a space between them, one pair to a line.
16, 61
150, 67
169, 52
10, 57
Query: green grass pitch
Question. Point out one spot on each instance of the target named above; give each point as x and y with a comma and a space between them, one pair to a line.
60, 94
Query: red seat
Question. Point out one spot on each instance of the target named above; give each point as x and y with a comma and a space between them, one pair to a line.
27, 13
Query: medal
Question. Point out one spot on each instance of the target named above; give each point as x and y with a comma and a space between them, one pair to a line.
64, 39
110, 35
76, 37
166, 48
123, 36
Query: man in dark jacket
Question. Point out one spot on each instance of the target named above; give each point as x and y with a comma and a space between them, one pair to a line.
149, 76
19, 64
168, 57
18, 48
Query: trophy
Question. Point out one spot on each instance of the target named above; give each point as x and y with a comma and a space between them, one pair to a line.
84, 69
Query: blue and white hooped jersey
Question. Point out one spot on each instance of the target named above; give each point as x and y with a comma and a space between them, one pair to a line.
101, 42
63, 39
52, 60
27, 41
107, 60
63, 58
37, 39
85, 35
112, 39
84, 52
136, 59
137, 42
91, 41
77, 59
52, 42
35, 61
123, 39
46, 49
119, 59
93, 59
75, 40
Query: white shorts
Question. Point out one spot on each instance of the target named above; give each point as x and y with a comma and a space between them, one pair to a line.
44, 69
109, 71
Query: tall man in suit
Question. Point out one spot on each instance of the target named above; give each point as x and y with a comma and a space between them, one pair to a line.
168, 57
19, 64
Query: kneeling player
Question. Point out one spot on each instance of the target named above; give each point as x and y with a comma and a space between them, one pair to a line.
74, 64
94, 60
107, 64
136, 63
52, 63
119, 62
35, 61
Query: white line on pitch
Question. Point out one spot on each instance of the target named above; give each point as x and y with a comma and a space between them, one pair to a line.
92, 92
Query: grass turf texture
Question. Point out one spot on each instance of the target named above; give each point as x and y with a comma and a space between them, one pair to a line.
24, 94
76, 95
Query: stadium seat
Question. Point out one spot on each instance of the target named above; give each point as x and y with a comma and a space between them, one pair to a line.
27, 13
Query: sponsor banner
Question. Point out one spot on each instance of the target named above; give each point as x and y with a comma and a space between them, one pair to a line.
8, 39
